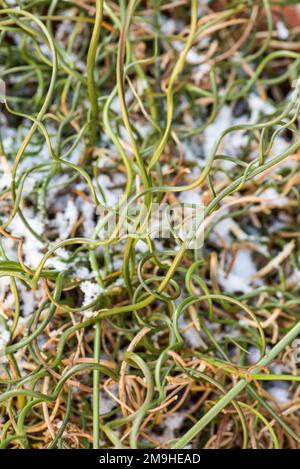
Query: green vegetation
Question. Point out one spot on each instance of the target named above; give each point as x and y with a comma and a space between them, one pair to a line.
124, 339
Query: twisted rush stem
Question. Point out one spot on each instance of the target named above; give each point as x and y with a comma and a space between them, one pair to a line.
121, 339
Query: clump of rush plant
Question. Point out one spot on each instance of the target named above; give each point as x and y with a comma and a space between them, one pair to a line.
111, 340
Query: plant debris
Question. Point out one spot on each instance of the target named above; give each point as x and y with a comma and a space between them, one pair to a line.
113, 340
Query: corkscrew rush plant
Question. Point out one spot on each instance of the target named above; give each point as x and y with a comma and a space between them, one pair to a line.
126, 338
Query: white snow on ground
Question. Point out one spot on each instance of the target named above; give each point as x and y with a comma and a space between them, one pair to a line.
4, 339
107, 403
30, 301
280, 394
279, 146
259, 107
112, 194
65, 220
115, 105
168, 26
211, 133
272, 195
191, 335
88, 211
201, 70
240, 277
194, 58
91, 291
32, 247
254, 355
59, 260
190, 197
223, 229
5, 178
234, 141
282, 30
141, 246
170, 424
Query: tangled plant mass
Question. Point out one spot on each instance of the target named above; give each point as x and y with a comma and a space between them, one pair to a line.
113, 339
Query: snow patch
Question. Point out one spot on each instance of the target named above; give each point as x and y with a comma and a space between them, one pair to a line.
240, 277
